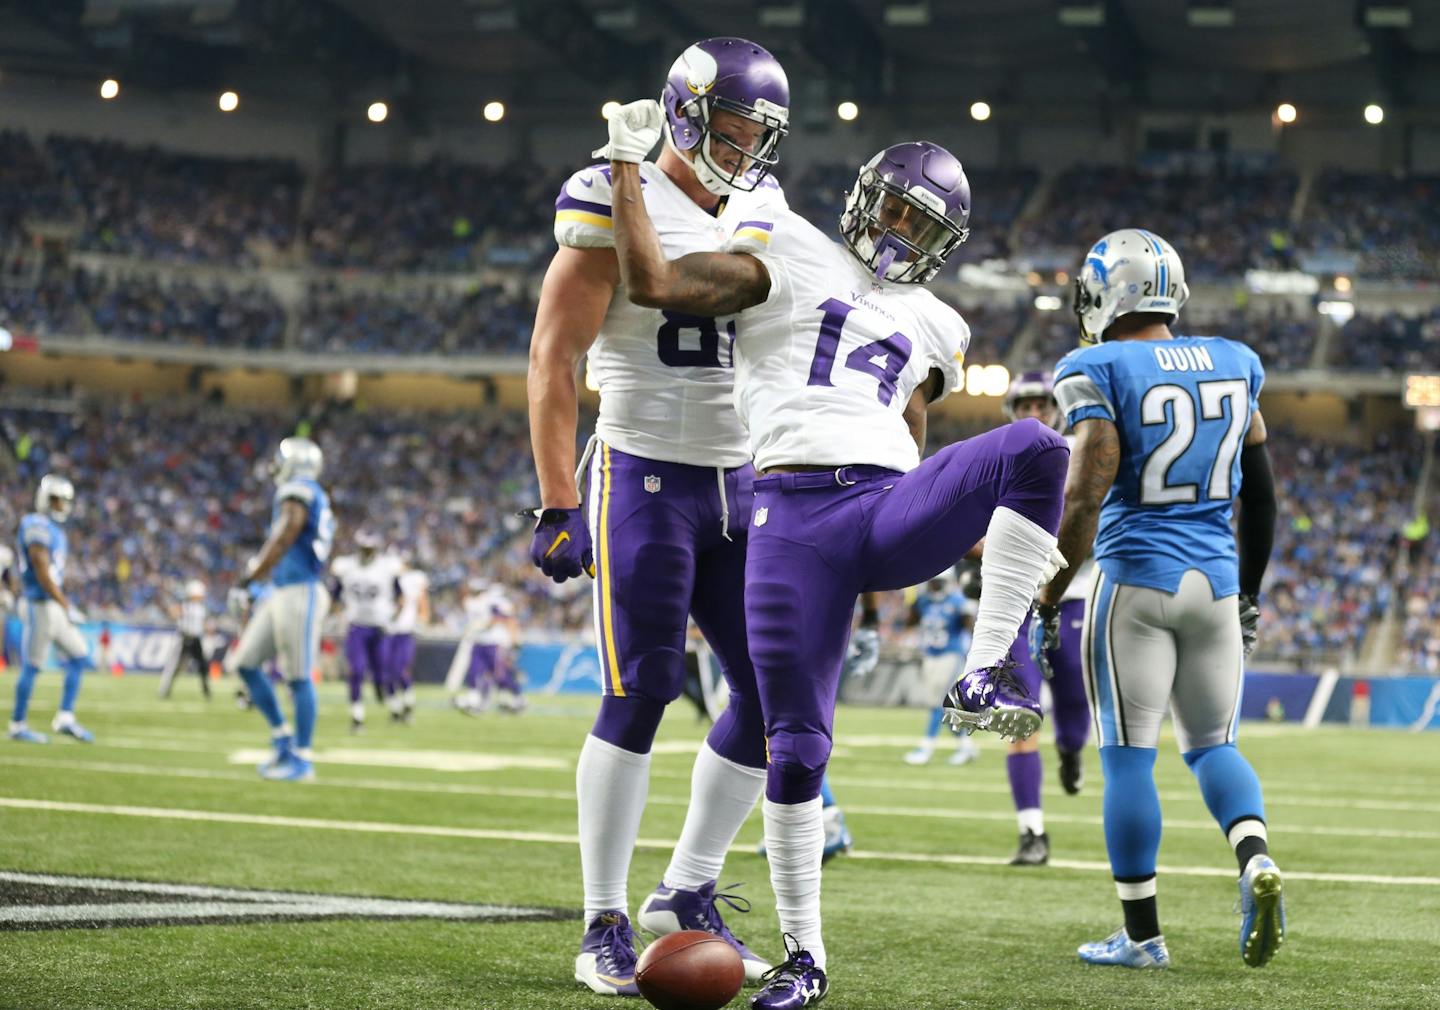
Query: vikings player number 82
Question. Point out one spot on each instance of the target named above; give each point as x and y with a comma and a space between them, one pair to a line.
677, 354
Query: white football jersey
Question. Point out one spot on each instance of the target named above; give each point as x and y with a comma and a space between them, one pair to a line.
413, 585
484, 613
367, 591
825, 366
666, 378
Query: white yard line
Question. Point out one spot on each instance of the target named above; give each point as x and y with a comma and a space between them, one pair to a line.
567, 796
440, 831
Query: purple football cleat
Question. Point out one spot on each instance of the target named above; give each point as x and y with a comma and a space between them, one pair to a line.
795, 983
992, 698
672, 909
606, 962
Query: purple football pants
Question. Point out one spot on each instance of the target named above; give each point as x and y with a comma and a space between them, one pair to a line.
399, 655
365, 652
1067, 685
668, 547
817, 540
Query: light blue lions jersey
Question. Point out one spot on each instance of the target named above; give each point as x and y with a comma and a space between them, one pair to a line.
46, 532
305, 560
942, 623
1182, 408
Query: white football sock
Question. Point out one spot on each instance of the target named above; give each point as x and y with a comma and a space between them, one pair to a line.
722, 794
1016, 551
611, 784
794, 844
1031, 819
357, 711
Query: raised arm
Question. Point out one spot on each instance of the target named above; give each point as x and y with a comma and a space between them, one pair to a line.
1094, 462
702, 284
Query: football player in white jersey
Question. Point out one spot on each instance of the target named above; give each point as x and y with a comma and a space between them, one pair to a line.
483, 657
400, 642
838, 347
366, 584
669, 490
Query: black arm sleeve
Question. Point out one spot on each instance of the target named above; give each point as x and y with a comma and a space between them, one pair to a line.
1255, 529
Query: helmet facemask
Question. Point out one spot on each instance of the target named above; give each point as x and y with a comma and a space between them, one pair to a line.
901, 235
753, 161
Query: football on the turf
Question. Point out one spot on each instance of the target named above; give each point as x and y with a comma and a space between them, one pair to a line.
689, 970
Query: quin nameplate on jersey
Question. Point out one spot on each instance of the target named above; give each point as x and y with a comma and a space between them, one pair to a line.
36, 901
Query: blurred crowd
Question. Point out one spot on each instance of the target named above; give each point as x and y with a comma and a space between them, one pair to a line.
178, 490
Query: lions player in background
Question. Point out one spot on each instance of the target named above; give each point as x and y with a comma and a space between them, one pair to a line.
47, 615
1055, 637
1168, 432
9, 588
669, 489
414, 586
366, 584
839, 350
285, 625
944, 616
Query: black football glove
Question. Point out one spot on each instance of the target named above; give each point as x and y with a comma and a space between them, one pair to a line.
1249, 621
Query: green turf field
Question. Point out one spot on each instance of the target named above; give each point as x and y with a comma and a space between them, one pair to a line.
921, 914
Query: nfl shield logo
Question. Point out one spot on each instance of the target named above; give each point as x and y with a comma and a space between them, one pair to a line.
762, 515
652, 484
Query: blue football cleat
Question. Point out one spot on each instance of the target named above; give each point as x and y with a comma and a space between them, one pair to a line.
284, 746
1262, 911
290, 768
1119, 949
837, 835
795, 983
69, 727
21, 733
606, 962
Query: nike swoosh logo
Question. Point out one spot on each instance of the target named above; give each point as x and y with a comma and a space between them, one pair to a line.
587, 183
564, 536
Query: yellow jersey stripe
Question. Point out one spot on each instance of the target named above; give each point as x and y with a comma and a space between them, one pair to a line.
755, 234
583, 217
607, 609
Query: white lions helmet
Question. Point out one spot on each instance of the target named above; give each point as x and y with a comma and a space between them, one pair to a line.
194, 589
1127, 271
297, 458
55, 497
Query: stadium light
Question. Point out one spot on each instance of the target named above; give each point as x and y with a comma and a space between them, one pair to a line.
229, 101
109, 88
1374, 114
1048, 303
986, 380
847, 111
494, 112
1285, 112
609, 109
980, 111
1342, 284
377, 112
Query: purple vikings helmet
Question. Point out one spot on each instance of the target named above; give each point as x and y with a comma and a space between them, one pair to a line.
730, 75
1029, 386
916, 182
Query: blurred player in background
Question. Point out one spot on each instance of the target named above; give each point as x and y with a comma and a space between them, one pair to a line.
839, 351
944, 617
48, 616
1168, 432
286, 624
414, 611
367, 587
491, 633
1032, 394
669, 490
9, 591
190, 617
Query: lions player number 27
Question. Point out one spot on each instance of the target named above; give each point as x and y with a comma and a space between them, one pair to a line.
884, 359
1155, 488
